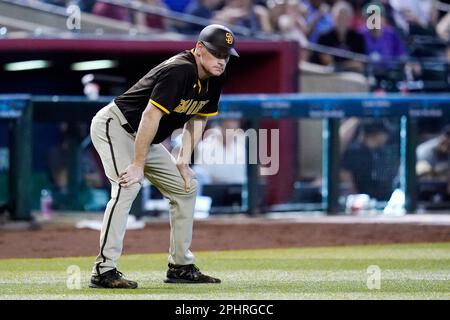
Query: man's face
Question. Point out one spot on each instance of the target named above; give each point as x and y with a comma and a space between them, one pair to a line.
377, 140
343, 19
213, 63
381, 139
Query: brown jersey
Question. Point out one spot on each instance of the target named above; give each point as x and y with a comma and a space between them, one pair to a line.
174, 87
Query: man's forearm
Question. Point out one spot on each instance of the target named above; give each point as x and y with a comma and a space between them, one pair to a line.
192, 133
144, 137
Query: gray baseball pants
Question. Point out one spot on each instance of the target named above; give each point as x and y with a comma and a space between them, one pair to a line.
116, 149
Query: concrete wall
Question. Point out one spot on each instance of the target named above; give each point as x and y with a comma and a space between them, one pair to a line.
317, 79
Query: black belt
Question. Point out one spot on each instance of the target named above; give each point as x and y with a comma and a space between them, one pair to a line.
128, 128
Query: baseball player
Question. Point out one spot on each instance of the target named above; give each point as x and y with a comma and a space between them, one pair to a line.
127, 133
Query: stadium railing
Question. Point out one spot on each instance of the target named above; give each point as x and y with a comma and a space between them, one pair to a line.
331, 108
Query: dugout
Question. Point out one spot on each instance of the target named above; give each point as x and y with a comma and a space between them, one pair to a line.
265, 67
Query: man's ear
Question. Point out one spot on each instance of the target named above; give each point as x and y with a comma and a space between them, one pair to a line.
198, 47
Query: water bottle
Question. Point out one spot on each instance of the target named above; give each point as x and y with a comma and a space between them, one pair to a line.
396, 204
46, 203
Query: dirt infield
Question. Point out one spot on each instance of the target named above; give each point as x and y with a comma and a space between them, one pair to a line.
227, 234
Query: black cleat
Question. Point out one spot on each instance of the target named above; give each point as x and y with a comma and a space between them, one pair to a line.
187, 274
112, 279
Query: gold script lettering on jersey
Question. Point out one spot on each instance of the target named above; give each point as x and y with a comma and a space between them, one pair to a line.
190, 106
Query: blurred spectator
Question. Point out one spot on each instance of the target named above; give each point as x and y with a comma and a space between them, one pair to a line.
433, 168
151, 20
59, 157
203, 9
289, 18
384, 44
111, 11
85, 5
388, 11
245, 13
348, 131
61, 161
342, 37
359, 18
417, 20
433, 156
276, 9
72, 168
92, 169
318, 19
415, 16
365, 165
443, 28
177, 5
360, 7
91, 88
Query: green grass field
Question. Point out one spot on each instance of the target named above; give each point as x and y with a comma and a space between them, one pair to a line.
419, 271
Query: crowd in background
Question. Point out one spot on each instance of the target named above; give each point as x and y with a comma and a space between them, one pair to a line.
335, 23
409, 32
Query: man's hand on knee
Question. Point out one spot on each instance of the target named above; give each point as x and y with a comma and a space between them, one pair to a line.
187, 174
131, 175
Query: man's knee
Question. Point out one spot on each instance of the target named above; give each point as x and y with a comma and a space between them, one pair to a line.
193, 188
132, 191
180, 190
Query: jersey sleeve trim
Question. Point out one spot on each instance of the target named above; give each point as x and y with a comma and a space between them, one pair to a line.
208, 114
156, 104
